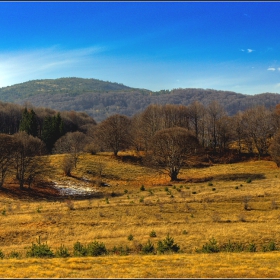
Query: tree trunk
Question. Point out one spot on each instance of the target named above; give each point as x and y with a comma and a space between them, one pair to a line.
174, 175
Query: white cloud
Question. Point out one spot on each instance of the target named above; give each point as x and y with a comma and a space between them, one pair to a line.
271, 69
21, 66
278, 69
249, 50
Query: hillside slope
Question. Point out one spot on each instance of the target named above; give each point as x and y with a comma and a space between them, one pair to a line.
101, 99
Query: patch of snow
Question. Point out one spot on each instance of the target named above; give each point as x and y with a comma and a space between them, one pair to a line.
73, 189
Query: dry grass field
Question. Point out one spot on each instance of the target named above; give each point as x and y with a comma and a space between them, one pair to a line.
237, 202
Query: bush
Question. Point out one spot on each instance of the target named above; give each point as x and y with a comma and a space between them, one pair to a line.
142, 188
122, 251
62, 252
40, 250
210, 247
249, 180
96, 249
153, 234
14, 255
79, 250
167, 245
148, 248
252, 247
130, 237
1, 255
232, 247
271, 246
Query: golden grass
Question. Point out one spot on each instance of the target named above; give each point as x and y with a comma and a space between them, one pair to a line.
222, 265
194, 214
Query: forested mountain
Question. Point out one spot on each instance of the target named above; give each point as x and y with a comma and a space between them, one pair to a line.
101, 99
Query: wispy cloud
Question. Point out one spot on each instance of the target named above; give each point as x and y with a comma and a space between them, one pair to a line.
248, 50
21, 66
271, 69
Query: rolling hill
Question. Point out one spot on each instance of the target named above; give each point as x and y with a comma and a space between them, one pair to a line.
101, 99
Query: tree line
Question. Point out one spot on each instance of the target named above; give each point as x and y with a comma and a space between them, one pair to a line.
166, 134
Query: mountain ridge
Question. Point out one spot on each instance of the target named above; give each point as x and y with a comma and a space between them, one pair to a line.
100, 99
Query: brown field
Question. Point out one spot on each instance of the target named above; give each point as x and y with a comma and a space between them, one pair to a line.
207, 202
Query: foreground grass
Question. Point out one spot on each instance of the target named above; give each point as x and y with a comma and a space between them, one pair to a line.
207, 202
222, 265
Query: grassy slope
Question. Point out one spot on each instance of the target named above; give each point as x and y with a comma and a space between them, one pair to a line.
195, 214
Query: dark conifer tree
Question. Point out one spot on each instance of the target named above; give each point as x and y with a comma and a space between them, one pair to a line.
29, 122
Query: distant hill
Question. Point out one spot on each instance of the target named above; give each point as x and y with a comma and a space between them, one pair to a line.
101, 99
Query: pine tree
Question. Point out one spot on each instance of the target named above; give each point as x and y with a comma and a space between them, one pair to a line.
52, 130
29, 122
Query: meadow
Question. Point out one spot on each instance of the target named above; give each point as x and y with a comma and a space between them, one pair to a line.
237, 202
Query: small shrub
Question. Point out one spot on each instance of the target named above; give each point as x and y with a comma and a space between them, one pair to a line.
122, 251
79, 250
14, 255
96, 249
241, 217
153, 234
249, 180
193, 192
1, 254
232, 247
148, 248
185, 232
274, 205
113, 194
167, 245
210, 247
142, 188
130, 237
70, 204
166, 189
252, 247
125, 191
151, 192
213, 189
40, 250
216, 217
210, 184
174, 187
107, 200
62, 252
141, 199
4, 212
236, 188
271, 246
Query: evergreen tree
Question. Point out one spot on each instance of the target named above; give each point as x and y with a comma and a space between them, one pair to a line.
29, 122
52, 130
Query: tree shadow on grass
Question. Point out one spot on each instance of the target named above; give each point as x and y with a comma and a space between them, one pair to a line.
45, 191
227, 177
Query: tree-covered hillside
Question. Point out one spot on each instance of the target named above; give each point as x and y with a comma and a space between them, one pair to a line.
101, 99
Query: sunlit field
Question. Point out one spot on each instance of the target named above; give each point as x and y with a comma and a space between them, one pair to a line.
237, 202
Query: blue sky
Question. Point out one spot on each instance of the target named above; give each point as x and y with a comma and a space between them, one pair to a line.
231, 46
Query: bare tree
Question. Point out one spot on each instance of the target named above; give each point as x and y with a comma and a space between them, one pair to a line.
28, 160
170, 149
215, 112
71, 143
6, 156
114, 133
274, 148
258, 128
